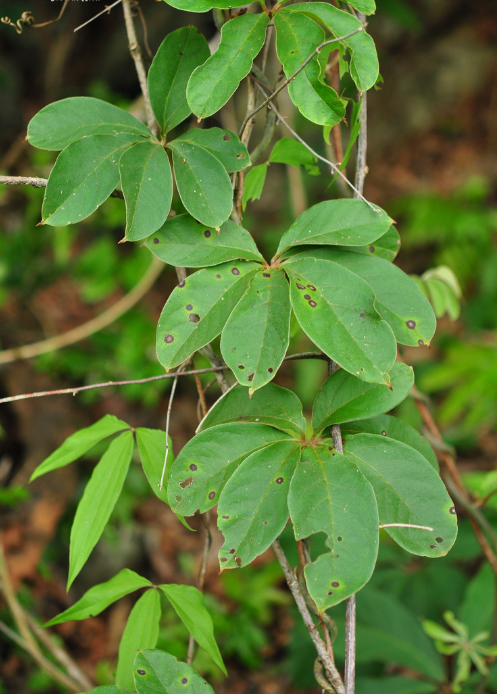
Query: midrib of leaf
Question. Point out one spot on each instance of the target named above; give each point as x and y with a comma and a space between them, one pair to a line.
172, 83
152, 152
265, 321
195, 175
190, 336
388, 484
346, 329
256, 509
73, 190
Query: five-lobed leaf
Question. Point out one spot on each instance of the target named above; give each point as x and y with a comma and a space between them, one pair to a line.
147, 185
83, 177
188, 603
271, 405
95, 600
408, 490
205, 464
59, 124
79, 443
253, 508
98, 501
364, 66
297, 36
256, 335
223, 144
158, 672
198, 309
344, 398
394, 428
141, 631
185, 242
336, 223
213, 83
328, 494
152, 447
203, 184
337, 311
179, 54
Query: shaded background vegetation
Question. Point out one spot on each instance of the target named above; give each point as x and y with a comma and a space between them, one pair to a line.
432, 166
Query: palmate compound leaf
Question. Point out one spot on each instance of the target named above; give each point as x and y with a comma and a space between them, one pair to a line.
297, 37
256, 335
272, 405
398, 299
337, 311
344, 398
188, 603
141, 631
98, 501
83, 177
213, 83
185, 242
253, 508
393, 428
337, 223
203, 184
95, 600
364, 66
198, 309
408, 490
158, 672
79, 443
59, 124
328, 494
179, 54
147, 185
223, 144
152, 447
204, 465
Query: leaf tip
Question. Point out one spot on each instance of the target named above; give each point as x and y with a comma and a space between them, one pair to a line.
123, 240
41, 223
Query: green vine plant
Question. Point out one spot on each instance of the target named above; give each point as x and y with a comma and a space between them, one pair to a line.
254, 455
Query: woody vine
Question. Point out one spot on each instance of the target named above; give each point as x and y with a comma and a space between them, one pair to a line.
353, 469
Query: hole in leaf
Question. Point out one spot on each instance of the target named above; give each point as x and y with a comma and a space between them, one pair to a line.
186, 483
238, 561
193, 317
250, 376
329, 593
383, 433
299, 286
226, 137
241, 366
433, 546
312, 287
178, 498
439, 539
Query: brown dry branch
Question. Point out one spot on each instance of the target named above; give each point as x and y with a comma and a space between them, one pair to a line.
36, 182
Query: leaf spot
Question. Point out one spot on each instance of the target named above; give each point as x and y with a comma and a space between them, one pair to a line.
265, 523
420, 343
339, 538
361, 315
232, 551
141, 672
433, 547
226, 137
383, 433
207, 233
241, 366
238, 561
212, 495
189, 307
299, 286
411, 324
270, 370
168, 339
335, 584
193, 317
312, 304
371, 249
181, 284
250, 377
186, 483
218, 277
307, 297
266, 274
225, 517
235, 271
184, 680
156, 240
279, 480
439, 540
224, 559
311, 287
452, 510
193, 467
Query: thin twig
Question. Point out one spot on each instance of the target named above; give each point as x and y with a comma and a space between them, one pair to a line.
333, 166
201, 396
27, 19
331, 671
315, 52
201, 575
36, 182
107, 10
245, 137
136, 54
92, 326
168, 419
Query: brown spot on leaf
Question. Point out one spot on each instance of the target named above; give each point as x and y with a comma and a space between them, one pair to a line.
452, 510
184, 680
207, 233
361, 315
411, 324
193, 317
299, 286
307, 297
279, 480
225, 517
270, 370
311, 287
193, 467
265, 523
371, 249
383, 433
212, 495
266, 274
226, 137
186, 483
181, 284
250, 377
224, 559
232, 551
218, 277
335, 584
156, 240
312, 304
168, 339
235, 271
189, 307
141, 672
420, 343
